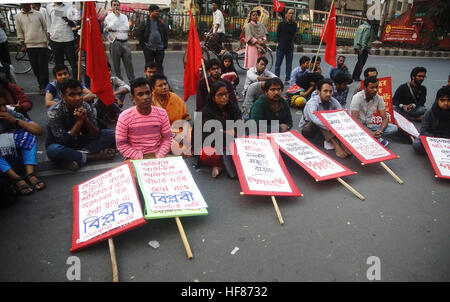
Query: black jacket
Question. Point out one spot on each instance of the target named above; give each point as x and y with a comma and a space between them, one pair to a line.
143, 32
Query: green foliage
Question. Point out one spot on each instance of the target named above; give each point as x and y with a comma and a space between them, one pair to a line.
440, 12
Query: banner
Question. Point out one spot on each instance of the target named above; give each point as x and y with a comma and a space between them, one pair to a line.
317, 164
260, 168
404, 124
105, 206
438, 150
168, 188
356, 138
401, 33
385, 91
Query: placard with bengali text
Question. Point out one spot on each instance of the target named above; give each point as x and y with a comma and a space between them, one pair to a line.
438, 151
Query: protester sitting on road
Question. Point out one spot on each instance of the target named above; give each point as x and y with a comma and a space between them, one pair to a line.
409, 98
254, 91
368, 72
18, 148
214, 73
143, 131
272, 107
341, 80
218, 108
312, 127
340, 67
229, 73
258, 73
150, 70
308, 82
15, 97
300, 70
363, 106
436, 120
73, 137
53, 90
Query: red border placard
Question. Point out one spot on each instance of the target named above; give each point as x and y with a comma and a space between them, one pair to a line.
243, 182
431, 157
353, 150
346, 171
76, 235
396, 114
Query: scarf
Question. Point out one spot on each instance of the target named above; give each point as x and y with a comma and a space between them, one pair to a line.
254, 30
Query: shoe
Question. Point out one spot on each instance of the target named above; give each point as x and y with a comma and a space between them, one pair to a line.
72, 166
383, 141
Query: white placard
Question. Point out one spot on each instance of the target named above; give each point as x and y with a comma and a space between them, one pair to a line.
405, 124
440, 149
167, 184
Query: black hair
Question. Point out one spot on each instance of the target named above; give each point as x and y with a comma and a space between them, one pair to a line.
59, 67
322, 82
304, 59
263, 59
314, 58
444, 91
341, 56
342, 77
212, 63
227, 69
154, 78
138, 82
70, 83
150, 65
369, 80
305, 79
271, 82
369, 69
416, 70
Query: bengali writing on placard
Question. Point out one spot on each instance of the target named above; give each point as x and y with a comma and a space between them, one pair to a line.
405, 124
107, 202
354, 135
168, 185
440, 149
260, 165
310, 157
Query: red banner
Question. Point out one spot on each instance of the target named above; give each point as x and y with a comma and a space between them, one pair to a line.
385, 91
401, 33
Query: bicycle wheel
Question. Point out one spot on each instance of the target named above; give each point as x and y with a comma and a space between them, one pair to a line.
269, 57
20, 55
205, 54
21, 65
239, 57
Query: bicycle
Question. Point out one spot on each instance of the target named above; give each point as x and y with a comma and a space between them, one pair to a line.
209, 44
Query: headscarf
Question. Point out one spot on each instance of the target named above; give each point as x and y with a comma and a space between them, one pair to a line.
253, 30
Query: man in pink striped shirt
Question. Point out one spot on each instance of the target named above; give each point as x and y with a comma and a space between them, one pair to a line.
143, 131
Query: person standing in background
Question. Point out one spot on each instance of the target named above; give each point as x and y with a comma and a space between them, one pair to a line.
286, 31
362, 45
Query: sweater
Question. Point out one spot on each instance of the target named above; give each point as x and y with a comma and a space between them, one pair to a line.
31, 29
261, 111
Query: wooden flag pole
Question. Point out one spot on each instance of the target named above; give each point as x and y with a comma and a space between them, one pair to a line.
184, 238
350, 188
392, 173
321, 38
205, 75
275, 205
112, 251
81, 42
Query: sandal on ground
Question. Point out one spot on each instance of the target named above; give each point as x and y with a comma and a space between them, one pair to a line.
108, 153
36, 183
23, 189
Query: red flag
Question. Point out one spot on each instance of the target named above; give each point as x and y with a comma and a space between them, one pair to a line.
193, 61
96, 66
278, 6
329, 37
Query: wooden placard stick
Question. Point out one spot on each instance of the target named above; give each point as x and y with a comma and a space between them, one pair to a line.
112, 251
350, 188
277, 210
184, 238
392, 173
205, 75
80, 51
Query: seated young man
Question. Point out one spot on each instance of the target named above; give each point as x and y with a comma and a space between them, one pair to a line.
436, 121
53, 89
73, 137
143, 131
258, 73
363, 106
272, 107
341, 80
312, 127
300, 70
409, 98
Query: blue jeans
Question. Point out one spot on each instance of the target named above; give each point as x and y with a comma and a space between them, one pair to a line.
61, 154
389, 130
280, 56
24, 157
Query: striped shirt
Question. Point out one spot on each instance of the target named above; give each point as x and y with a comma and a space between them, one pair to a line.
137, 134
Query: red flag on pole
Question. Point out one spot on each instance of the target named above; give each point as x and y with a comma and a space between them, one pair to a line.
278, 6
96, 66
329, 37
193, 61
